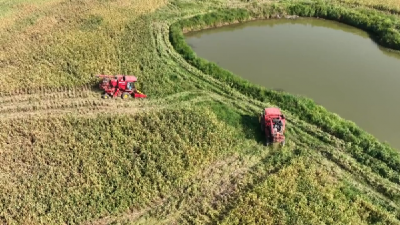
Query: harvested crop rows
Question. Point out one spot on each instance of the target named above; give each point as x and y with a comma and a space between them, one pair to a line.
190, 153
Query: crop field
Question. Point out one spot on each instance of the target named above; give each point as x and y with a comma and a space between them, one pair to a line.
190, 153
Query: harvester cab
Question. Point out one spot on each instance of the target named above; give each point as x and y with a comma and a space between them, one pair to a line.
119, 86
272, 123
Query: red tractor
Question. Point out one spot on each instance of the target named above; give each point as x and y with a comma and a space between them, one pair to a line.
119, 86
272, 123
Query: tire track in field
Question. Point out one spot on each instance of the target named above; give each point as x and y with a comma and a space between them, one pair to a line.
249, 105
335, 153
216, 175
134, 214
89, 103
40, 104
50, 100
240, 101
214, 185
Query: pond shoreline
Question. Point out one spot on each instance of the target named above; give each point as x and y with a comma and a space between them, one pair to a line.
287, 54
304, 108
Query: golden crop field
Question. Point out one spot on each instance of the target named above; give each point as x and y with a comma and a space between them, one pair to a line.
191, 153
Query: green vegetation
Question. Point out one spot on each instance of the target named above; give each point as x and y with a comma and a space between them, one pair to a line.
366, 145
190, 153
302, 194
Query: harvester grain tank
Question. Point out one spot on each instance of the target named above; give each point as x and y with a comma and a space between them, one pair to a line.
272, 123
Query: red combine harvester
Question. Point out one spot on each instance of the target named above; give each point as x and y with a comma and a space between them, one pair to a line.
272, 123
119, 86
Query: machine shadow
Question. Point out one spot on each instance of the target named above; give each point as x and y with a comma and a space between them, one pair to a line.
94, 86
251, 128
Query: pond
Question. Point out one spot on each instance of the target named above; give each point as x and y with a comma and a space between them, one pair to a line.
336, 65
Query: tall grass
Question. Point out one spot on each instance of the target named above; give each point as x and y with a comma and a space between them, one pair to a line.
71, 169
392, 6
302, 193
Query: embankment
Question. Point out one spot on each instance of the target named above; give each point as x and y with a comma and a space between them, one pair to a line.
383, 28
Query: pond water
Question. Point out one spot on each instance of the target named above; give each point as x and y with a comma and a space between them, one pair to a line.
336, 65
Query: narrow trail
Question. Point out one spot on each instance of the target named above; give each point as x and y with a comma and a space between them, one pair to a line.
85, 102
58, 104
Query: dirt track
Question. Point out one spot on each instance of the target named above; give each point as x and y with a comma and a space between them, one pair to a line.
77, 101
84, 101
